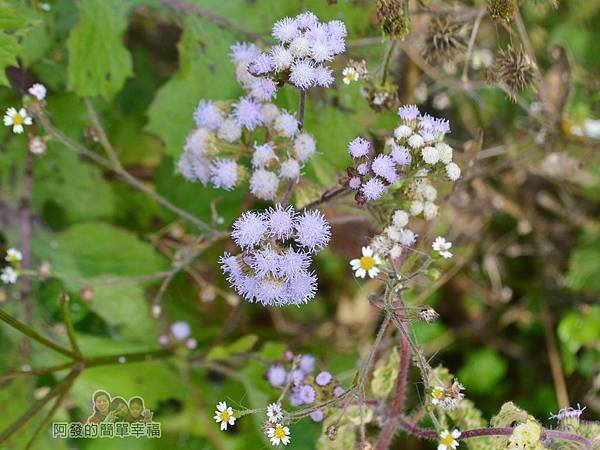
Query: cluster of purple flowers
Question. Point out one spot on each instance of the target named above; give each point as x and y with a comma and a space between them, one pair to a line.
214, 152
304, 46
277, 245
418, 139
305, 387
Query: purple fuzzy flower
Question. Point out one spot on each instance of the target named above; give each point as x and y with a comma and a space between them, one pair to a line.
373, 189
263, 89
247, 112
224, 174
301, 288
354, 183
401, 155
265, 262
383, 165
323, 378
286, 124
359, 147
307, 363
180, 330
307, 394
280, 221
313, 231
293, 264
297, 377
323, 76
339, 390
277, 375
261, 65
264, 184
241, 52
363, 168
285, 29
208, 115
263, 154
317, 416
302, 74
408, 112
248, 229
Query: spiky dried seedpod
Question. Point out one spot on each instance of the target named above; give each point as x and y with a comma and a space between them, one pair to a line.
392, 18
514, 69
444, 40
502, 9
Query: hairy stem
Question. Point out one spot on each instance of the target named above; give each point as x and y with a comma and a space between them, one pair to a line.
39, 114
25, 219
387, 434
28, 331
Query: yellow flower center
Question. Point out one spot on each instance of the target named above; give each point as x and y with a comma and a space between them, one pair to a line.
448, 440
18, 119
279, 432
225, 416
367, 262
437, 393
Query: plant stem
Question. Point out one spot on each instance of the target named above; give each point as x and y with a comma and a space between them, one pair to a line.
387, 434
25, 219
37, 405
25, 329
476, 24
39, 114
39, 371
66, 311
63, 391
386, 61
301, 109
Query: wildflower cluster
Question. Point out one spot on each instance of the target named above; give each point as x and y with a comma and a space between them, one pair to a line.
304, 46
10, 273
277, 245
305, 387
416, 151
252, 132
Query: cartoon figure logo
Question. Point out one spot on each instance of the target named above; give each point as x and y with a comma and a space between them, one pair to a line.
112, 417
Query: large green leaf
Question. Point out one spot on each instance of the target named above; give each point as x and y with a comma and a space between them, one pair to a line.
94, 249
204, 71
86, 196
99, 63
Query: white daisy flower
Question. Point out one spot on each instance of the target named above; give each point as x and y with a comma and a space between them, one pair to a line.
368, 264
448, 440
13, 256
441, 246
453, 171
16, 119
274, 412
224, 415
437, 394
9, 275
38, 91
350, 75
279, 434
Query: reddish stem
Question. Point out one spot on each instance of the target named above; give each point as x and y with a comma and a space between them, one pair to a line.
387, 434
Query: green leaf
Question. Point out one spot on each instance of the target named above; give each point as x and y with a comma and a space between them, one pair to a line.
94, 249
580, 328
584, 264
217, 352
483, 370
204, 71
384, 376
123, 306
243, 344
9, 48
86, 196
99, 63
273, 350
